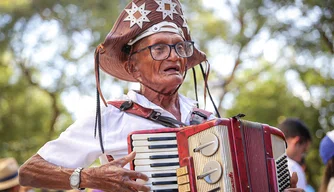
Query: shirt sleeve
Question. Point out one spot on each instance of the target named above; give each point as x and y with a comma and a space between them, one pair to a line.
75, 147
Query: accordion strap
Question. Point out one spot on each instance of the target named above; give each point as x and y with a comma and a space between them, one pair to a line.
147, 113
199, 116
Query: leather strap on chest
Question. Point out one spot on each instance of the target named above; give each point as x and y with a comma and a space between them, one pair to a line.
147, 113
198, 116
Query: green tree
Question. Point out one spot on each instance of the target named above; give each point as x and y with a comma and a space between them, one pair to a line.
33, 81
269, 100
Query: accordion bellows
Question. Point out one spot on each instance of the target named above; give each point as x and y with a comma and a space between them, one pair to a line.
219, 155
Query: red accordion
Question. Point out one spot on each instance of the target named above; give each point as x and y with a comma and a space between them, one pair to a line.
218, 155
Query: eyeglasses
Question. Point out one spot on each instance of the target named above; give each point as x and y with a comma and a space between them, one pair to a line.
162, 51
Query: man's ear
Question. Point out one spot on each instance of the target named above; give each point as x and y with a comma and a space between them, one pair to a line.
132, 69
135, 72
296, 139
292, 140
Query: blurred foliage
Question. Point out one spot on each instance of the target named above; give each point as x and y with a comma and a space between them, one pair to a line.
32, 111
260, 102
46, 53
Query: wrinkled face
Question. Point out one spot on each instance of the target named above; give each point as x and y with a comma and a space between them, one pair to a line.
165, 75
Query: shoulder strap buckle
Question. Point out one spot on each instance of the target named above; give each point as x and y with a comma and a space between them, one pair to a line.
126, 105
199, 116
154, 115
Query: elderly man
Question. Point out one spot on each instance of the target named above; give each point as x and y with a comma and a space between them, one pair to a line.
149, 44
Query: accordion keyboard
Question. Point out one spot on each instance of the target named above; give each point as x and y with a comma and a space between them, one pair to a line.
157, 157
281, 162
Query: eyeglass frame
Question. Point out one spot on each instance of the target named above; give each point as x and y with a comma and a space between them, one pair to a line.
170, 49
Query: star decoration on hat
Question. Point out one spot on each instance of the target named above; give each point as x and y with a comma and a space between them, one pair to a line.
167, 7
185, 25
137, 15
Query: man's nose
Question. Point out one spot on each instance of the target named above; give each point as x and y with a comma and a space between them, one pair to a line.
173, 54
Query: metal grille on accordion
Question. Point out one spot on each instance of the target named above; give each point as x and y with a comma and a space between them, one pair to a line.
219, 155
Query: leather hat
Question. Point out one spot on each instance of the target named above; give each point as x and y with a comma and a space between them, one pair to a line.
141, 18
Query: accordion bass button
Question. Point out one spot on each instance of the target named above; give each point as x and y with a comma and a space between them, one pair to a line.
212, 172
208, 145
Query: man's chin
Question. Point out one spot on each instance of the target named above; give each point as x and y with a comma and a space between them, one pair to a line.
174, 80
174, 75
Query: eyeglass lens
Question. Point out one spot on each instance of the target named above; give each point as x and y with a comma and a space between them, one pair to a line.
162, 51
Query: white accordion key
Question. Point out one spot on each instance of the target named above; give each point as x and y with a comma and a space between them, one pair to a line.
144, 168
160, 174
146, 142
172, 188
161, 155
155, 136
154, 150
156, 180
155, 161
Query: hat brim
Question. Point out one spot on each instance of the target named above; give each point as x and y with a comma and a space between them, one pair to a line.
116, 66
9, 184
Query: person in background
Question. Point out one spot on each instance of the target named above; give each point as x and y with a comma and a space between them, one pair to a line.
9, 179
326, 150
308, 188
298, 139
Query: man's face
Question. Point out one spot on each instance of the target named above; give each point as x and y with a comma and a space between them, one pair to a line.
301, 150
165, 75
297, 150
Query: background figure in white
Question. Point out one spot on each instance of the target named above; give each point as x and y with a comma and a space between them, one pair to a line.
298, 139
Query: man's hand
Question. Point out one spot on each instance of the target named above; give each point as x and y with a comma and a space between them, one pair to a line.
113, 177
293, 184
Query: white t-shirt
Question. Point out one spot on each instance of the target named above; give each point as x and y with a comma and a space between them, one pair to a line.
295, 167
77, 147
330, 187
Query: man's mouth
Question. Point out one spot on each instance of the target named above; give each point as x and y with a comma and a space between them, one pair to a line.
172, 69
